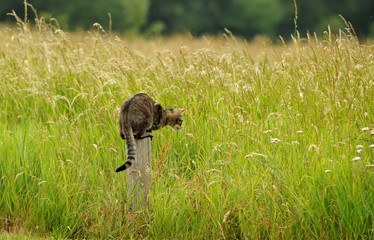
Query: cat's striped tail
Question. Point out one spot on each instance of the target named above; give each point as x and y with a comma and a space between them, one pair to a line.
130, 147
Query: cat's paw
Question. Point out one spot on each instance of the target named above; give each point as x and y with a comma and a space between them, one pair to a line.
145, 135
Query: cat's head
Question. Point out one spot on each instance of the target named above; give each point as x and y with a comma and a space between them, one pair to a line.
175, 116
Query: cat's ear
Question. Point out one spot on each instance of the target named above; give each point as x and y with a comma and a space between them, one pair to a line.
182, 110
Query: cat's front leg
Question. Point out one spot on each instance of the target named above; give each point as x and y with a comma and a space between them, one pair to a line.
148, 133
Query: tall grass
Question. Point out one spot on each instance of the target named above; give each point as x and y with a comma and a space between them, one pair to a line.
277, 141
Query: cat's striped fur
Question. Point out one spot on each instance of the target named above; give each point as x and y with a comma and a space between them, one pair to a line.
139, 115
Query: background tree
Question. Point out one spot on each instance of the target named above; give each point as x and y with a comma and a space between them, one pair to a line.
242, 17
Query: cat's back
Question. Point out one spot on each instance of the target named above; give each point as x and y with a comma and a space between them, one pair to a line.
140, 101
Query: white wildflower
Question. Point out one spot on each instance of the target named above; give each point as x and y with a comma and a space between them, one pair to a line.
359, 146
359, 66
371, 146
311, 146
274, 140
365, 129
356, 159
327, 171
299, 132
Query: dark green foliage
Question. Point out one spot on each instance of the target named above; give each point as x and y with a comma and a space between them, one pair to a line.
241, 17
245, 18
82, 14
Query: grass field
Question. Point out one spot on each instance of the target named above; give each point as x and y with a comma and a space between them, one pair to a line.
277, 140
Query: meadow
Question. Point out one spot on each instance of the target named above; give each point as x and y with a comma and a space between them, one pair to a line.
277, 141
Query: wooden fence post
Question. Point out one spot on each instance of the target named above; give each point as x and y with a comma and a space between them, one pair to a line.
139, 175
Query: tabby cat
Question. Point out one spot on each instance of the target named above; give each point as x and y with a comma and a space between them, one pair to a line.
139, 115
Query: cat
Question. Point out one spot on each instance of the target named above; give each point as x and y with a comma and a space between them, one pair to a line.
138, 116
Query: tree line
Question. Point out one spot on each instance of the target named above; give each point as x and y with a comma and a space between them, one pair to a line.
245, 18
